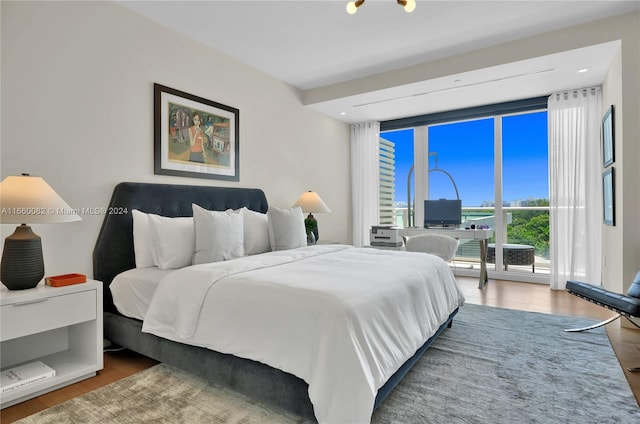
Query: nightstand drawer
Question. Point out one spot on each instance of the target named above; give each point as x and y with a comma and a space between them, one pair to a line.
43, 314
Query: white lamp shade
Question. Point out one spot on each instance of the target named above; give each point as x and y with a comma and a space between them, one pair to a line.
30, 200
310, 202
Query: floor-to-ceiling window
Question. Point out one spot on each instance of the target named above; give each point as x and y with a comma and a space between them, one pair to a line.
498, 167
525, 186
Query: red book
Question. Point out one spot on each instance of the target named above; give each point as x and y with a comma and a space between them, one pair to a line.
65, 280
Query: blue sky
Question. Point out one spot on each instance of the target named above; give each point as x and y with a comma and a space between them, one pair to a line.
465, 150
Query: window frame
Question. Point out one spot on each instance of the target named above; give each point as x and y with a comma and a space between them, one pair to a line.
467, 114
498, 111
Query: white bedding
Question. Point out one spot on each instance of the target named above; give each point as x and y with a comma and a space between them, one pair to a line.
341, 318
133, 290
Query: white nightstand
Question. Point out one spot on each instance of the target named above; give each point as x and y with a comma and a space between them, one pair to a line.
60, 326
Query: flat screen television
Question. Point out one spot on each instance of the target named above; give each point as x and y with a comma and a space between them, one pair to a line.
442, 213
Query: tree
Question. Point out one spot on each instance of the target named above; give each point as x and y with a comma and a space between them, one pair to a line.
530, 227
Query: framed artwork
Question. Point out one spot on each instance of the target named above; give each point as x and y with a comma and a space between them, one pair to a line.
608, 197
195, 137
608, 138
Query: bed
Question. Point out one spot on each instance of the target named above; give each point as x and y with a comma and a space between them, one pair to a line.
305, 387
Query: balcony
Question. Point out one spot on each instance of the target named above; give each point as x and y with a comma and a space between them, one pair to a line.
521, 226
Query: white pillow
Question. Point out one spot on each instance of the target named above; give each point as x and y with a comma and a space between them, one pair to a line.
174, 241
142, 241
219, 235
286, 228
256, 232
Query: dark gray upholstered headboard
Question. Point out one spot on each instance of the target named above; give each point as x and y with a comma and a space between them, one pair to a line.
114, 253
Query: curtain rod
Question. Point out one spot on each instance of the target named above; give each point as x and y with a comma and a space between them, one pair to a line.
575, 92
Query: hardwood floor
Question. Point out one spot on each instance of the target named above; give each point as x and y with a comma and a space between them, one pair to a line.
117, 365
505, 294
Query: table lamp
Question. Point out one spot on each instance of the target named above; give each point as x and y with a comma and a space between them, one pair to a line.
27, 199
311, 203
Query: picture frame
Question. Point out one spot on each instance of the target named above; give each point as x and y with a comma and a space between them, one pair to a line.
608, 137
195, 137
608, 197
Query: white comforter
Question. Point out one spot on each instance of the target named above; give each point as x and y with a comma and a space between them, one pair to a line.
341, 318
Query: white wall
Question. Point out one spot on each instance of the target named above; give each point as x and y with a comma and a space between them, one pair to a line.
77, 109
612, 258
621, 244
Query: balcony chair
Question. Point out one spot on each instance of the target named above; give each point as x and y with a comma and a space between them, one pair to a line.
627, 306
436, 244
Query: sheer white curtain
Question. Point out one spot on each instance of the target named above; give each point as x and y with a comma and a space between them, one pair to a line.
575, 186
365, 179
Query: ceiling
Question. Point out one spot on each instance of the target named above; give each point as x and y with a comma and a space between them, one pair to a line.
314, 44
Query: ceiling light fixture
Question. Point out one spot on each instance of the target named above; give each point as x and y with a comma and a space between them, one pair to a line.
408, 5
352, 6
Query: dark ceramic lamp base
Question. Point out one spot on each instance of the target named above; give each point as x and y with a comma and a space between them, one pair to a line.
22, 265
311, 225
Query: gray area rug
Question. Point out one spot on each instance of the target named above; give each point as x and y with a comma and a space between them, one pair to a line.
493, 366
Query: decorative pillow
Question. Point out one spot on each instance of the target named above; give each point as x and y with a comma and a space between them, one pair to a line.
142, 242
256, 232
174, 241
219, 235
286, 228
